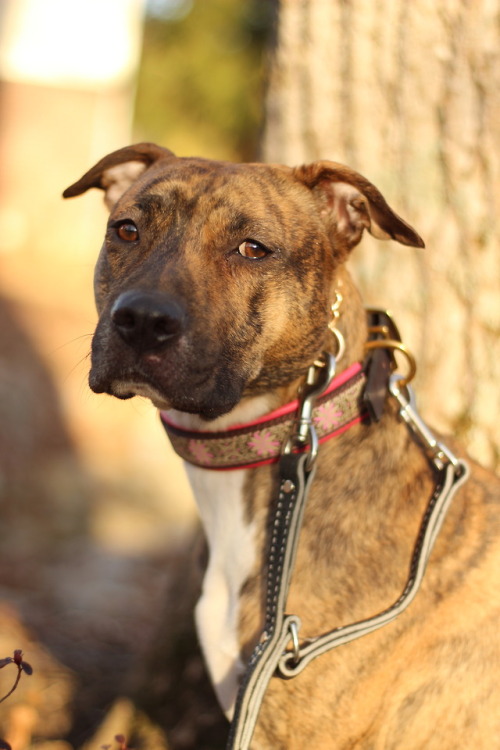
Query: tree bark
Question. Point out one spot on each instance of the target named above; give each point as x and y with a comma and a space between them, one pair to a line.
408, 93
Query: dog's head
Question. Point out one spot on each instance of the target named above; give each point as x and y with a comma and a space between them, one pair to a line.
215, 279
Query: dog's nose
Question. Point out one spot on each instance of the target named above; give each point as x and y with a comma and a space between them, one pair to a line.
147, 321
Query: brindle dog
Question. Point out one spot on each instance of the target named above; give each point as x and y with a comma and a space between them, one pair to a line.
214, 288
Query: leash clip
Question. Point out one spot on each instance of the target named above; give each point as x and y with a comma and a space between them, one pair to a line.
304, 434
439, 454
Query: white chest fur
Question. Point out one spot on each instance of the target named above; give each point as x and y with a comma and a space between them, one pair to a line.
231, 542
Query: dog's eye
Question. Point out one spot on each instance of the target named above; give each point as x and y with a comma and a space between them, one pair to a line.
253, 250
127, 231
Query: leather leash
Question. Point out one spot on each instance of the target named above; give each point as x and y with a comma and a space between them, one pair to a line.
296, 472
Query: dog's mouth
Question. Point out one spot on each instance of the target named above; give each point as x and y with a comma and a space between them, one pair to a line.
168, 380
126, 390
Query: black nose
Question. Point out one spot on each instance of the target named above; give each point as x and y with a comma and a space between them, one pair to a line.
147, 321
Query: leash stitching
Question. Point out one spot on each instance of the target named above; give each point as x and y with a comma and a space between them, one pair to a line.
286, 526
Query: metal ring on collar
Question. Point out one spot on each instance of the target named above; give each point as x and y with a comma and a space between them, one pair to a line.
340, 343
398, 346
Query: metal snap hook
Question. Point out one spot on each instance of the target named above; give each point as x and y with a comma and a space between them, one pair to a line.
304, 436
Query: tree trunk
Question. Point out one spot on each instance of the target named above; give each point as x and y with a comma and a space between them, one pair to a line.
408, 93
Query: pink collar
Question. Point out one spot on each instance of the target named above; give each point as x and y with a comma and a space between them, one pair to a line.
259, 442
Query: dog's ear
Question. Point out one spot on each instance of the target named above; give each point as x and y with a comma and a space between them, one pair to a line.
116, 172
353, 204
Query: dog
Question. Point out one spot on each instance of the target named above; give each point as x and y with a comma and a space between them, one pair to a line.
214, 289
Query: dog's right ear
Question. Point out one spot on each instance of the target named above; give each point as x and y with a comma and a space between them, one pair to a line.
116, 172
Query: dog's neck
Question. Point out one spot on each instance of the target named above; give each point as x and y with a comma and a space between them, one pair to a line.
353, 326
247, 410
234, 507
338, 405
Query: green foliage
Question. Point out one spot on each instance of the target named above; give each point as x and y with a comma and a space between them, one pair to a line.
200, 89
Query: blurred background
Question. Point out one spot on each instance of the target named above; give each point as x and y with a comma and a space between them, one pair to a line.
95, 513
80, 79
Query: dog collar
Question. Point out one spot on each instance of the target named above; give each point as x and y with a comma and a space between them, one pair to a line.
260, 442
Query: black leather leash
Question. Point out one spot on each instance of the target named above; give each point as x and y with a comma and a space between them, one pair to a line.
295, 479
296, 472
272, 655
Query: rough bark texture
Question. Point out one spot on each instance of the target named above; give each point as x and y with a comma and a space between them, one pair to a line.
409, 94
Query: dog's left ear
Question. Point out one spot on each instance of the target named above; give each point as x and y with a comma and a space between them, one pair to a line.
353, 204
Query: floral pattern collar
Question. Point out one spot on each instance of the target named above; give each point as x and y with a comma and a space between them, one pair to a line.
259, 442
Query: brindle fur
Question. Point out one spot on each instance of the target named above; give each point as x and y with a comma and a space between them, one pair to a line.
428, 680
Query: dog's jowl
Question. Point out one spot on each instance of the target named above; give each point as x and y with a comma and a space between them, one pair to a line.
218, 287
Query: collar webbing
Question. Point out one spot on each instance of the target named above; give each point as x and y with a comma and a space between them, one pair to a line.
260, 442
